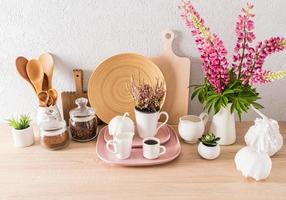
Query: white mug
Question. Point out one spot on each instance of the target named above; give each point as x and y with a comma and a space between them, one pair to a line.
122, 145
192, 127
152, 148
146, 123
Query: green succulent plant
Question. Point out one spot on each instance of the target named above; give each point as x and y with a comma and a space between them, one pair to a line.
20, 123
209, 139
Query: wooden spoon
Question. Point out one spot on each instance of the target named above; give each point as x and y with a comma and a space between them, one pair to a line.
53, 94
50, 101
43, 98
36, 74
45, 85
21, 63
47, 62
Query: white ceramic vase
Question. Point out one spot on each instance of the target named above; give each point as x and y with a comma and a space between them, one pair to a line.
24, 137
207, 152
223, 126
146, 123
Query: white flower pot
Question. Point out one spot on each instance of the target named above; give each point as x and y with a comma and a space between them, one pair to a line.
23, 138
223, 126
207, 152
146, 123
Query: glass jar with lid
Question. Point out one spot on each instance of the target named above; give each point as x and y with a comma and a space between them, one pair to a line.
83, 122
53, 132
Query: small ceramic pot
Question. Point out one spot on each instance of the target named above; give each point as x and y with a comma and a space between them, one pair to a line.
207, 152
192, 127
24, 137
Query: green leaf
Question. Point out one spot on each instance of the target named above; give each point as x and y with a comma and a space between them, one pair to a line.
225, 100
195, 93
228, 91
257, 105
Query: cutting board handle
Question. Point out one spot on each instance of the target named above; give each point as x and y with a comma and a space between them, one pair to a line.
78, 78
168, 37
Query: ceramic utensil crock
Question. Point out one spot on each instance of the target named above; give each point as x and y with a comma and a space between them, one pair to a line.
146, 123
192, 127
42, 113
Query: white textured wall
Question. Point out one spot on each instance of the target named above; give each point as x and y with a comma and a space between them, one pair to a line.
83, 33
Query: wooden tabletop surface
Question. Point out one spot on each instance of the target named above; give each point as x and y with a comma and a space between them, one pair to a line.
77, 173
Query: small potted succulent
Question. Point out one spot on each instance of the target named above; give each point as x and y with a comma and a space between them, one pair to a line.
148, 102
22, 131
208, 147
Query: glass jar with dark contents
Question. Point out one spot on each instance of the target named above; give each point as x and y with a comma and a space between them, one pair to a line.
83, 122
53, 132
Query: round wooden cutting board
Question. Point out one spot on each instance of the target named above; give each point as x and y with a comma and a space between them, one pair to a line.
108, 87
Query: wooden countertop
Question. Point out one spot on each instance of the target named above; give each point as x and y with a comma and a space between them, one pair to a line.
77, 173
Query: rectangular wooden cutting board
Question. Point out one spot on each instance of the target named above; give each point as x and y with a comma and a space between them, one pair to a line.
69, 97
176, 71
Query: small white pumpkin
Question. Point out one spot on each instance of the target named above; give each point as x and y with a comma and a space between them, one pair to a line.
120, 124
252, 163
264, 135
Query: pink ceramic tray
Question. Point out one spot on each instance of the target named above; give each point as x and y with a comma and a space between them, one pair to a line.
173, 148
163, 134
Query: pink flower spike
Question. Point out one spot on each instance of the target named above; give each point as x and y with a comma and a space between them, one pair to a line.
213, 52
245, 37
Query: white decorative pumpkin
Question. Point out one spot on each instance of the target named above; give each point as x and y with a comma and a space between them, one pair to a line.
252, 163
120, 124
264, 135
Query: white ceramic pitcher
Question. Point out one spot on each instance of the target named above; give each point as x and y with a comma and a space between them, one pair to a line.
192, 127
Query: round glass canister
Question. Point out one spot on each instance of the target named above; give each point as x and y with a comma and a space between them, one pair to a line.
83, 122
53, 132
42, 113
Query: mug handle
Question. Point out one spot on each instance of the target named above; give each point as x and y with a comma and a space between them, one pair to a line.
114, 144
204, 117
166, 120
163, 150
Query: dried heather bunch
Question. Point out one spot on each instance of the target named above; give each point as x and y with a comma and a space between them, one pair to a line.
148, 98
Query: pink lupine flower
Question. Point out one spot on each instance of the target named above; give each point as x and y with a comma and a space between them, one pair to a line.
247, 61
244, 53
256, 73
213, 52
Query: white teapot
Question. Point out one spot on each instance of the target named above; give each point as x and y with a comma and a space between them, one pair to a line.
120, 124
